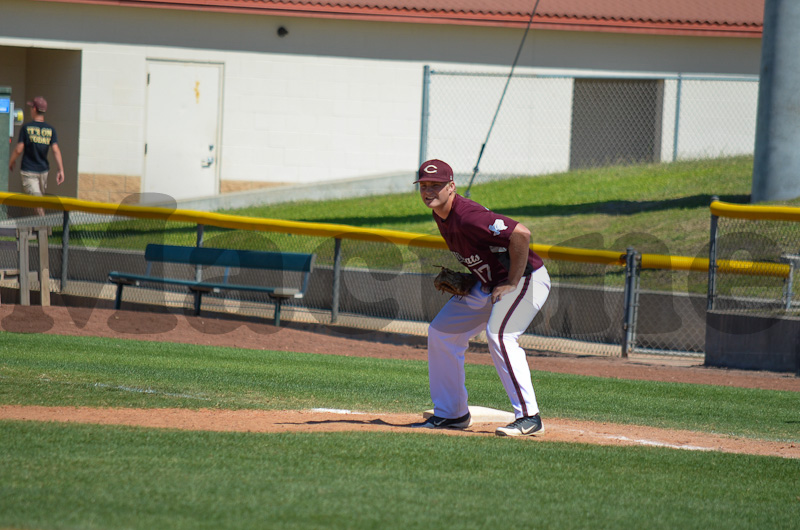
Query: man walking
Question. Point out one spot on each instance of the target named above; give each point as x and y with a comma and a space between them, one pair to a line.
36, 139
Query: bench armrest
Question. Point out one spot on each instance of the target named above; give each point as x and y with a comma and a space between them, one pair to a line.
122, 280
204, 288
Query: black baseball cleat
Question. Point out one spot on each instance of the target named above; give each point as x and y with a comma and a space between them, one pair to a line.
435, 422
525, 426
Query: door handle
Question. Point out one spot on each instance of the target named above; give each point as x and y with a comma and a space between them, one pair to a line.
210, 160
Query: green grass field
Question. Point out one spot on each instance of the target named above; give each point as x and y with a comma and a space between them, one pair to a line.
83, 476
59, 476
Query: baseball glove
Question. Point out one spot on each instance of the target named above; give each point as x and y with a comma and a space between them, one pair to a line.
455, 283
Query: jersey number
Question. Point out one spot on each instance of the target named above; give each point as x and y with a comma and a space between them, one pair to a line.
484, 270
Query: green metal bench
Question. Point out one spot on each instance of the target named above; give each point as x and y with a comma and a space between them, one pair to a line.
226, 259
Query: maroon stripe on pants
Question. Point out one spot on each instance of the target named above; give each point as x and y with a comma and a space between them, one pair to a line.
503, 344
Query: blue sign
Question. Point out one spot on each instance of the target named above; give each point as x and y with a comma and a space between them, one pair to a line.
5, 105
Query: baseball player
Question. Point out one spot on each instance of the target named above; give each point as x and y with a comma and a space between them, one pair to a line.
513, 285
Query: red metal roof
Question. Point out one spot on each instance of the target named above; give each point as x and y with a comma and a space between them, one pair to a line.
730, 18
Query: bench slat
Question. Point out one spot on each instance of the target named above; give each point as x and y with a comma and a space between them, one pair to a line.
251, 259
118, 277
129, 279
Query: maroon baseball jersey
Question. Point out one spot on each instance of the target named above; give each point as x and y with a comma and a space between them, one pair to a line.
479, 240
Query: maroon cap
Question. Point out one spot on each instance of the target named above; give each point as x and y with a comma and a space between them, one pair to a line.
40, 103
434, 171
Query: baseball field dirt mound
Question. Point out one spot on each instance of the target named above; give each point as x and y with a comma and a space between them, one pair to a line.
306, 421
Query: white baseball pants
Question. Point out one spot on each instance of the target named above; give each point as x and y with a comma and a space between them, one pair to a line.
461, 319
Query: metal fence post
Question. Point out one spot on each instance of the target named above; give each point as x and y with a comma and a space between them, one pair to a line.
201, 231
23, 240
423, 135
64, 251
712, 260
337, 274
788, 284
675, 134
44, 264
630, 300
198, 269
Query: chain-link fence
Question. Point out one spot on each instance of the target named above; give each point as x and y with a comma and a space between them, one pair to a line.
755, 267
554, 123
670, 317
363, 283
373, 284
752, 293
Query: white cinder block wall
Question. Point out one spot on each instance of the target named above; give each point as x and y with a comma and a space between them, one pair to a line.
304, 119
112, 114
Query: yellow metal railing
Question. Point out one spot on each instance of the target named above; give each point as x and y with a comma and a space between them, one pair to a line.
224, 220
755, 212
553, 252
685, 263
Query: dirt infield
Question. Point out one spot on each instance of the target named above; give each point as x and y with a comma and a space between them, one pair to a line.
171, 327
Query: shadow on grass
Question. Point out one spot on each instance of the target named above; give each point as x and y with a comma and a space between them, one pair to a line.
622, 207
564, 210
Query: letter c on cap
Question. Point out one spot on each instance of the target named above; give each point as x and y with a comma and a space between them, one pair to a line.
430, 169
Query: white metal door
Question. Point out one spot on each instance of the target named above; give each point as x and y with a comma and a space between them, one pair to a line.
182, 129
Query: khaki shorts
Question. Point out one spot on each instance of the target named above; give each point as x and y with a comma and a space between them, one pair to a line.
34, 183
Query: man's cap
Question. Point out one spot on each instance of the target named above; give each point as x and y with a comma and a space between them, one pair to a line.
434, 171
39, 103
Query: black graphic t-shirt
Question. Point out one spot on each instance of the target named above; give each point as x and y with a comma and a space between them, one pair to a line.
37, 137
